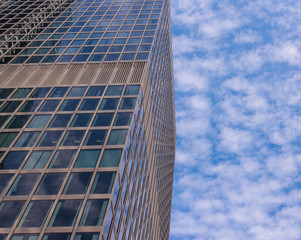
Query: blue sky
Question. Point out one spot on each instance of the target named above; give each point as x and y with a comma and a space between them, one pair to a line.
238, 108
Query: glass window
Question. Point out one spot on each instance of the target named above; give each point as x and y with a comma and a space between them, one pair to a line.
94, 212
114, 91
58, 92
103, 183
29, 106
39, 92
57, 236
37, 160
10, 106
23, 184
62, 159
50, 138
109, 104
35, 214
5, 92
21, 93
111, 158
60, 120
88, 105
77, 91
128, 103
24, 237
39, 121
87, 159
7, 138
17, 121
69, 105
9, 211
95, 137
117, 137
49, 105
4, 179
78, 183
86, 236
81, 120
13, 160
27, 139
123, 119
96, 91
103, 119
3, 120
50, 184
73, 138
65, 213
128, 56
132, 90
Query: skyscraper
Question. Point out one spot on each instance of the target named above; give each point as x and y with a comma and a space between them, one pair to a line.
87, 137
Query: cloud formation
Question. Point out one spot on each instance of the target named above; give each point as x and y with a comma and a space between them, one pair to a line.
237, 69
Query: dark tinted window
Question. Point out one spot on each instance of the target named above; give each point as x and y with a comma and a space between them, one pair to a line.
103, 119
62, 159
9, 212
23, 184
60, 120
58, 92
95, 137
51, 184
96, 91
39, 92
10, 106
78, 183
18, 121
81, 120
13, 160
109, 104
29, 106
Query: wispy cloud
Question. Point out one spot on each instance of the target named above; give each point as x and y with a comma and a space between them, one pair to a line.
238, 96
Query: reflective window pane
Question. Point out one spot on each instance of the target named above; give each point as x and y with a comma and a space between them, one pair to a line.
23, 184
2, 237
95, 137
96, 91
7, 138
27, 139
9, 211
103, 119
39, 121
57, 236
78, 183
5, 92
65, 213
94, 212
49, 105
111, 158
62, 159
114, 91
4, 179
88, 105
39, 92
81, 120
13, 160
69, 105
128, 103
29, 106
123, 119
60, 120
86, 236
25, 237
50, 138
58, 92
109, 104
10, 106
3, 119
73, 138
103, 183
50, 184
77, 91
117, 137
132, 90
87, 159
21, 93
17, 121
35, 214
37, 160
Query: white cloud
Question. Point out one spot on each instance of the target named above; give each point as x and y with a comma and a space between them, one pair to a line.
238, 97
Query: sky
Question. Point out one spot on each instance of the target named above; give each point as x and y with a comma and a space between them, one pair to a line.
237, 70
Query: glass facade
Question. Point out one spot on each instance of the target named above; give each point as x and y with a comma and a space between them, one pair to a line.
87, 125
